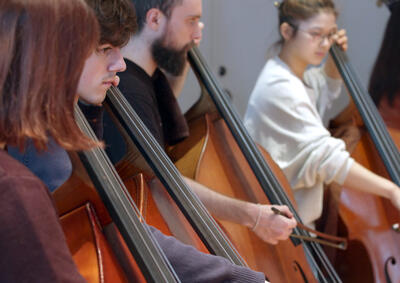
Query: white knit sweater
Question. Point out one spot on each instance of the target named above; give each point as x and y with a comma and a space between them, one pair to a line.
284, 116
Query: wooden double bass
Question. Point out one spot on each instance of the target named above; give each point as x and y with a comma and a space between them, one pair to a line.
228, 161
209, 232
117, 204
369, 222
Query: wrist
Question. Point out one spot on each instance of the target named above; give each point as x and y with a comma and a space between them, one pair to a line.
392, 192
252, 213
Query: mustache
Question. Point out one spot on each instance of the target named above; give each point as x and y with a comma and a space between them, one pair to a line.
189, 46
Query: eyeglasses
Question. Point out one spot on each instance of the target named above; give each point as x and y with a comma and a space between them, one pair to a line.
318, 36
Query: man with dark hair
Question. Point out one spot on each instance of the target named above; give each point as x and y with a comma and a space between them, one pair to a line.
156, 70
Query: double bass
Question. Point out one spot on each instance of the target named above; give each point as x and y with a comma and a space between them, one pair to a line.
117, 205
209, 232
228, 161
369, 222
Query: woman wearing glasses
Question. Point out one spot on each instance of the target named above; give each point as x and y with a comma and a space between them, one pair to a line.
288, 101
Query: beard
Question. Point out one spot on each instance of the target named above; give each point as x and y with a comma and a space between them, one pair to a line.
170, 59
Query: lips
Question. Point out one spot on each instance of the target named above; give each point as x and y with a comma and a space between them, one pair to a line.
111, 81
321, 54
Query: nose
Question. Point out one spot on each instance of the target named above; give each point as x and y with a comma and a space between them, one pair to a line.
117, 62
198, 33
326, 41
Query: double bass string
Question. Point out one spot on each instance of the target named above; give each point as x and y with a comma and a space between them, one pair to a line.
261, 170
366, 106
373, 121
206, 227
153, 263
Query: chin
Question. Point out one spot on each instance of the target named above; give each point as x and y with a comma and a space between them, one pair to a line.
317, 61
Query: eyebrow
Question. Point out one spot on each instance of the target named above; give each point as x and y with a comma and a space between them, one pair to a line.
321, 29
194, 16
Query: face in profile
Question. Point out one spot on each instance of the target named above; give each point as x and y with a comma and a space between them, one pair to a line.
182, 29
99, 73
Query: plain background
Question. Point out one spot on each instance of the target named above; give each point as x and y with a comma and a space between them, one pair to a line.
239, 33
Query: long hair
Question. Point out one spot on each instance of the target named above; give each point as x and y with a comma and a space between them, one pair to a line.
385, 76
44, 45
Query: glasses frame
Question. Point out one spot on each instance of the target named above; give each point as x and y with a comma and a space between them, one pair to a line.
317, 36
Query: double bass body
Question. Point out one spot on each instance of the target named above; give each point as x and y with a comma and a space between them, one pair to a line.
368, 224
211, 157
374, 252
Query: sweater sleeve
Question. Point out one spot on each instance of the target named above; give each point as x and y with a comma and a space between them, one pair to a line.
282, 117
193, 266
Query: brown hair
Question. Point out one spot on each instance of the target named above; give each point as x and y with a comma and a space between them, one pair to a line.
44, 47
117, 19
293, 11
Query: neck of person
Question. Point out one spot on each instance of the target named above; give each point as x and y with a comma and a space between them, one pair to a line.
138, 50
2, 145
296, 66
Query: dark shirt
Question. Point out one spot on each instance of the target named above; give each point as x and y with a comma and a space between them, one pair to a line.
154, 102
34, 160
55, 157
32, 243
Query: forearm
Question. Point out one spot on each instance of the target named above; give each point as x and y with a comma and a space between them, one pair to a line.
223, 207
193, 266
270, 227
361, 179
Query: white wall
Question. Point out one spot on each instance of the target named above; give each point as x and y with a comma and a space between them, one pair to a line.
238, 34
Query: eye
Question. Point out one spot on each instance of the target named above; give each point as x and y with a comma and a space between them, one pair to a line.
104, 49
315, 34
193, 21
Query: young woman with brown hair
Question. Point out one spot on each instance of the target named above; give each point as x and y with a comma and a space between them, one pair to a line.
39, 75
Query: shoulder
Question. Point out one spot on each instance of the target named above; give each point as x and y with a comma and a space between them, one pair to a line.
12, 170
277, 82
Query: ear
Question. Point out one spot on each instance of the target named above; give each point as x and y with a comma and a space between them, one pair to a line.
286, 31
154, 18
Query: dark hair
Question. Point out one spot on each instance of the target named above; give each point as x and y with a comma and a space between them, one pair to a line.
143, 6
39, 73
293, 11
117, 20
385, 76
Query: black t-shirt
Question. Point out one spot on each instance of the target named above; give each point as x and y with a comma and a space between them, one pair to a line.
154, 102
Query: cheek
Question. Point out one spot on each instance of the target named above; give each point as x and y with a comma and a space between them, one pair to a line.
85, 85
178, 37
